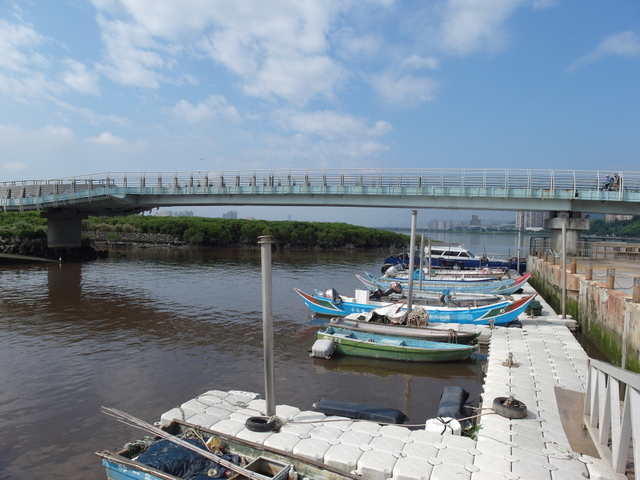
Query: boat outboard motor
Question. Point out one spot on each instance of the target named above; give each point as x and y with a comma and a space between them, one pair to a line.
333, 295
391, 272
395, 288
376, 294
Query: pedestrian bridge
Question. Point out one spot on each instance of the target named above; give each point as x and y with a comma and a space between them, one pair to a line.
471, 189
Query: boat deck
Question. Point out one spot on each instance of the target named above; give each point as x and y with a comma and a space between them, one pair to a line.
541, 364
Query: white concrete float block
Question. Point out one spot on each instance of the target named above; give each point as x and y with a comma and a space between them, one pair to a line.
396, 431
203, 420
285, 412
343, 457
376, 465
342, 423
214, 396
412, 469
459, 441
531, 471
448, 471
255, 437
387, 444
366, 426
355, 438
420, 450
493, 446
282, 441
456, 456
221, 413
562, 469
228, 427
174, 414
495, 464
296, 428
313, 448
325, 432
193, 406
309, 416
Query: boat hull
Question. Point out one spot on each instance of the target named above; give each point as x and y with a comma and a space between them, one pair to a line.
392, 348
403, 331
488, 287
498, 314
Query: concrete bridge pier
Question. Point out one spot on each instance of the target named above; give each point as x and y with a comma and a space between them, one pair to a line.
64, 229
574, 224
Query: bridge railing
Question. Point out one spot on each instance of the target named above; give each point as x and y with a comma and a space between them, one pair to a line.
452, 182
612, 414
460, 178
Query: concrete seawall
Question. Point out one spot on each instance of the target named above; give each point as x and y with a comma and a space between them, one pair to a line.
608, 316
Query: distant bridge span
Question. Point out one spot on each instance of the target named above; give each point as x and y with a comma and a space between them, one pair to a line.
471, 189
571, 191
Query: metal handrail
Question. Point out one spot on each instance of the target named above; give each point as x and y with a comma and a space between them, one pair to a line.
434, 183
612, 413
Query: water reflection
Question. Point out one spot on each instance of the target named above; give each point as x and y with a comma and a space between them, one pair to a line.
147, 331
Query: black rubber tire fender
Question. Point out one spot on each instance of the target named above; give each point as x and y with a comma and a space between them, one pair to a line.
517, 409
260, 424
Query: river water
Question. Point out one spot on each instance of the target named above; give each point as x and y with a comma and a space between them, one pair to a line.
149, 329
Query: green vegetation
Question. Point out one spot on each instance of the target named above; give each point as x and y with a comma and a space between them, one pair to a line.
24, 225
221, 232
617, 228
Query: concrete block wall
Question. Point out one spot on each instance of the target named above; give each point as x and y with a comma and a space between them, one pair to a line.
608, 317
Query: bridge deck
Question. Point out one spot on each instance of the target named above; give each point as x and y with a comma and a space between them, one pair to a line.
123, 193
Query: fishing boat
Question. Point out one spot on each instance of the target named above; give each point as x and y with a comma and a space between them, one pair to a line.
401, 270
210, 455
457, 256
334, 305
356, 323
505, 286
366, 344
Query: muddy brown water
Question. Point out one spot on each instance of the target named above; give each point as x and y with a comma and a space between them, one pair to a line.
150, 329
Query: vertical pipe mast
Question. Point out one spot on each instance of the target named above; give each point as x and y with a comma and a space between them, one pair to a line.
265, 243
412, 261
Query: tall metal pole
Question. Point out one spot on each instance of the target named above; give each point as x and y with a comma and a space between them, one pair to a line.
265, 243
564, 268
412, 261
421, 262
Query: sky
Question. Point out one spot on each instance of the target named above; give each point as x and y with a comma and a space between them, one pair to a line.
90, 86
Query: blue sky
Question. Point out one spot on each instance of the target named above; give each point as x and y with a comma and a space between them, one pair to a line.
90, 86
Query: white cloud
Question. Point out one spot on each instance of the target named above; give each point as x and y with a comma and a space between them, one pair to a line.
406, 90
279, 49
78, 78
132, 57
107, 139
332, 125
472, 25
416, 62
622, 44
544, 4
213, 106
13, 166
17, 46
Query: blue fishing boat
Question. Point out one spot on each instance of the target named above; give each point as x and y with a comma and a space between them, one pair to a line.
505, 286
389, 347
457, 256
334, 305
210, 455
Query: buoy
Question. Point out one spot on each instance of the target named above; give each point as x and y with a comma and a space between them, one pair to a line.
443, 426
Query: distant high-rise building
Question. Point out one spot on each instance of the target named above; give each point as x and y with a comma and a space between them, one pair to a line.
531, 220
231, 214
613, 218
475, 220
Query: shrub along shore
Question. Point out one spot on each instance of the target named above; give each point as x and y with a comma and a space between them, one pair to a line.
25, 234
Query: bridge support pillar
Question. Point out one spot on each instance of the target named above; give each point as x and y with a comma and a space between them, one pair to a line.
574, 225
64, 229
